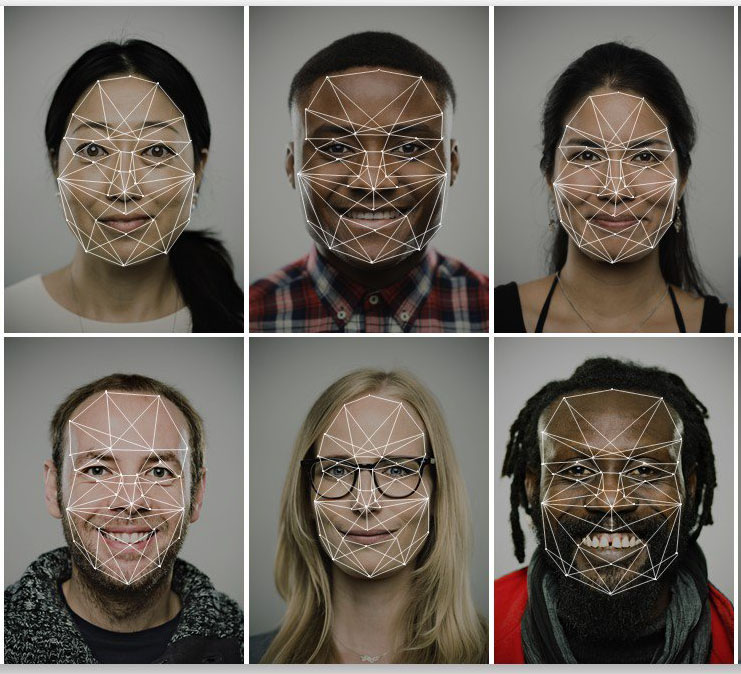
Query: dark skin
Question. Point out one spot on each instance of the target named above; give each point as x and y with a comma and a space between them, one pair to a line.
404, 168
596, 490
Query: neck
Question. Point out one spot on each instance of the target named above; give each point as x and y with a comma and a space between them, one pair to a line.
373, 277
125, 610
629, 286
367, 612
107, 292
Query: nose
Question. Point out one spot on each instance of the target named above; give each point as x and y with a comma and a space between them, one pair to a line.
609, 496
129, 496
122, 184
365, 494
614, 186
374, 172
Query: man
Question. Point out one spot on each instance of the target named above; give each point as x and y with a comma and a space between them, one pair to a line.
615, 467
126, 479
372, 158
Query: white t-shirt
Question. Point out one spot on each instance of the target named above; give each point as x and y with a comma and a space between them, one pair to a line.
30, 308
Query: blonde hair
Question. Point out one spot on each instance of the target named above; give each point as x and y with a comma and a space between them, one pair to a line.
440, 624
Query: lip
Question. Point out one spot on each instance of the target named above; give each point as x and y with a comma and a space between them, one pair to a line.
370, 537
108, 534
617, 223
125, 223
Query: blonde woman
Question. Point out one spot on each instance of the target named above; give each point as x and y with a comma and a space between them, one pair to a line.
374, 535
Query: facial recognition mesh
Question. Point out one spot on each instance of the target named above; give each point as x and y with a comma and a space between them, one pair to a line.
126, 505
370, 497
374, 190
127, 180
616, 182
611, 497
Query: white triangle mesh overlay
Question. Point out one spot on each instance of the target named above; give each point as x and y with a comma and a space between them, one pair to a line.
124, 521
396, 193
395, 527
124, 167
611, 507
616, 194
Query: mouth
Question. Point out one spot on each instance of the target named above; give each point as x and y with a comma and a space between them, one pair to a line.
125, 224
611, 546
375, 218
136, 540
363, 537
615, 223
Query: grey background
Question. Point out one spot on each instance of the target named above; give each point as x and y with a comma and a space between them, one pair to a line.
283, 38
41, 43
41, 372
523, 366
287, 375
533, 45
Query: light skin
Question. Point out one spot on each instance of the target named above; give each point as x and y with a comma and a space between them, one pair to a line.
124, 491
614, 297
93, 286
600, 491
392, 164
366, 610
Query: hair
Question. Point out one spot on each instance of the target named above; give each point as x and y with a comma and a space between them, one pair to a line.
523, 447
620, 67
371, 49
201, 265
127, 383
439, 624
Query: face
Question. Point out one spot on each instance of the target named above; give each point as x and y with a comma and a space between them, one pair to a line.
372, 486
126, 488
611, 488
617, 180
372, 158
126, 171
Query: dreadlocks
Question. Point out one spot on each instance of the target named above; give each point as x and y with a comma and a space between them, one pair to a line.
523, 447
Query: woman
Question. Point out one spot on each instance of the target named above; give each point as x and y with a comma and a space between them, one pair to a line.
374, 534
617, 137
127, 135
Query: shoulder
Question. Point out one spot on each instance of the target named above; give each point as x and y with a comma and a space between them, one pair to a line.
721, 624
703, 313
30, 308
510, 600
518, 306
285, 277
450, 268
259, 644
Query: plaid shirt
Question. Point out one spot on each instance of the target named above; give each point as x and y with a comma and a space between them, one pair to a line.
439, 295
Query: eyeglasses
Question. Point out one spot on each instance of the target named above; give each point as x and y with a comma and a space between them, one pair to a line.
396, 477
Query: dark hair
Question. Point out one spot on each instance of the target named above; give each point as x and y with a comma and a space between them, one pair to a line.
201, 265
620, 67
523, 447
128, 383
375, 49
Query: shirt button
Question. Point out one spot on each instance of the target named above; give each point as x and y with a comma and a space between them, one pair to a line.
404, 315
341, 315
373, 299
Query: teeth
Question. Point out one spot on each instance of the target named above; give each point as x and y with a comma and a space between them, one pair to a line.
615, 541
387, 214
128, 538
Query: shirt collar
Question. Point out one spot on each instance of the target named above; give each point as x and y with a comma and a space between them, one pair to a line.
343, 297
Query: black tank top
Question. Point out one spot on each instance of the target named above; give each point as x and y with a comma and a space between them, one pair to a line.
508, 311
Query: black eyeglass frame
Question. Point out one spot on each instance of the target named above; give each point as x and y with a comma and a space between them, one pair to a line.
308, 464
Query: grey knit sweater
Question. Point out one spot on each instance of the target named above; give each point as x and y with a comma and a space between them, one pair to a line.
39, 628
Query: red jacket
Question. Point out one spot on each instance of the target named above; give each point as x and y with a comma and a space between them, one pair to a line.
510, 598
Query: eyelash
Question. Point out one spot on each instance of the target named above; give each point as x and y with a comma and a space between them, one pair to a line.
106, 152
580, 156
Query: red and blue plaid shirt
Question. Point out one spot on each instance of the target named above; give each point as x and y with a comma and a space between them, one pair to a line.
438, 295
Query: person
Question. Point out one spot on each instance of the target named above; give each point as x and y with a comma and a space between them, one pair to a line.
615, 467
374, 534
617, 140
126, 479
372, 158
127, 135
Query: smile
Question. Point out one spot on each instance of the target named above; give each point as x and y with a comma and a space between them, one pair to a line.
611, 541
132, 538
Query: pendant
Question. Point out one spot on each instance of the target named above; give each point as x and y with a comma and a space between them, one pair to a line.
370, 658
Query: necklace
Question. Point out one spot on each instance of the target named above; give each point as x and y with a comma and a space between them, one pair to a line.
365, 658
78, 311
584, 320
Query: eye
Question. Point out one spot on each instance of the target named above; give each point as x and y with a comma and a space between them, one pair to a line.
158, 151
398, 471
587, 156
408, 149
334, 148
646, 156
91, 151
577, 471
337, 471
95, 471
161, 473
644, 472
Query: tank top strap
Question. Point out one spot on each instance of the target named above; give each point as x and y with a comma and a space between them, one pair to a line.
546, 305
677, 311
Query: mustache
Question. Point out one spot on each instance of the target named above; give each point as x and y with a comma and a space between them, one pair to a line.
642, 527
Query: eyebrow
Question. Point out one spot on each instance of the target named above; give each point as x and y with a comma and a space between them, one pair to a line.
403, 130
106, 455
146, 125
587, 142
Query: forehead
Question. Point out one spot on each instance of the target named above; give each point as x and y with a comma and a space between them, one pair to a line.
374, 426
609, 424
367, 96
127, 99
614, 117
133, 422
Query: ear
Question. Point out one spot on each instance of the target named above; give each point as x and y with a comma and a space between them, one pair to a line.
290, 165
455, 160
50, 490
690, 483
531, 485
681, 187
201, 167
195, 511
